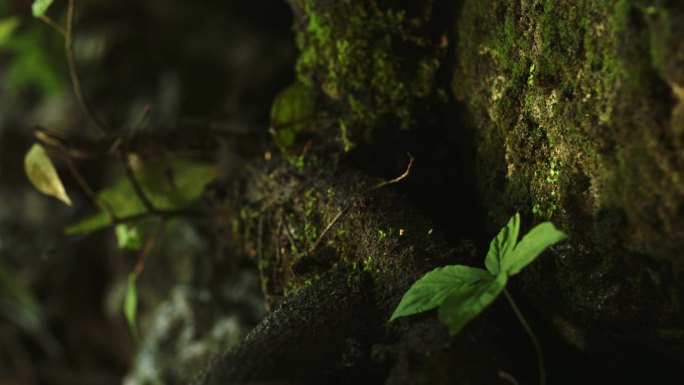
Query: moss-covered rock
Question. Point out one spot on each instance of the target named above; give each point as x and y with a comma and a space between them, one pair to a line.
373, 62
335, 296
299, 226
578, 116
575, 114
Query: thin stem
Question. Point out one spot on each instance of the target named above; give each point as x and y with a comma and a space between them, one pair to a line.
348, 206
48, 20
130, 174
397, 179
86, 187
162, 214
147, 249
530, 333
87, 106
73, 71
142, 118
327, 228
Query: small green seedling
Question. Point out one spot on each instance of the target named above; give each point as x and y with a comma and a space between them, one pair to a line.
463, 292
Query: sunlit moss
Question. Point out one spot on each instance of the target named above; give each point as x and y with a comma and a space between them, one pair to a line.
574, 103
376, 61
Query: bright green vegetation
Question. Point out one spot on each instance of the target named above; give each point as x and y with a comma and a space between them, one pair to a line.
292, 115
129, 236
36, 59
131, 305
463, 292
40, 7
7, 28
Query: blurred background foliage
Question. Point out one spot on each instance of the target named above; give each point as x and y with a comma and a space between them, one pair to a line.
213, 62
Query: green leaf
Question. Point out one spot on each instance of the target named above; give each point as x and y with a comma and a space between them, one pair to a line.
531, 246
131, 305
291, 113
36, 62
43, 175
460, 308
18, 293
502, 245
430, 290
40, 7
7, 27
129, 236
169, 185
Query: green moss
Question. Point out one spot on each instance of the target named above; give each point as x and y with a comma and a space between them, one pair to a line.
288, 213
347, 144
373, 61
300, 161
577, 110
552, 85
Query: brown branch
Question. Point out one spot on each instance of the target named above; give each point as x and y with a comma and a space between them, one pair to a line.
142, 118
61, 144
130, 174
103, 204
147, 249
75, 78
397, 179
87, 106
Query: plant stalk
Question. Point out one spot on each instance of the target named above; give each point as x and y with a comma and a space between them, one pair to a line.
530, 333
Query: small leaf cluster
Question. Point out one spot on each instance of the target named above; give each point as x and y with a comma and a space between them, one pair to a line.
463, 292
146, 189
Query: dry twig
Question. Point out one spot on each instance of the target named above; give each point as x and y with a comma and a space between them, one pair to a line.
348, 206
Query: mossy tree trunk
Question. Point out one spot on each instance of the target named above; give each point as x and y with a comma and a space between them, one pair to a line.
578, 117
569, 112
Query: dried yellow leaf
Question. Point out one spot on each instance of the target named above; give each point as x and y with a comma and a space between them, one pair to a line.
43, 175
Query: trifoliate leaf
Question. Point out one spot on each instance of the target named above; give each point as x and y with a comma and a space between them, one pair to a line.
460, 308
532, 244
131, 305
434, 287
40, 7
502, 245
43, 175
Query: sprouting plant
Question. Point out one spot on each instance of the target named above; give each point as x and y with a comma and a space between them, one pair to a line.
463, 292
